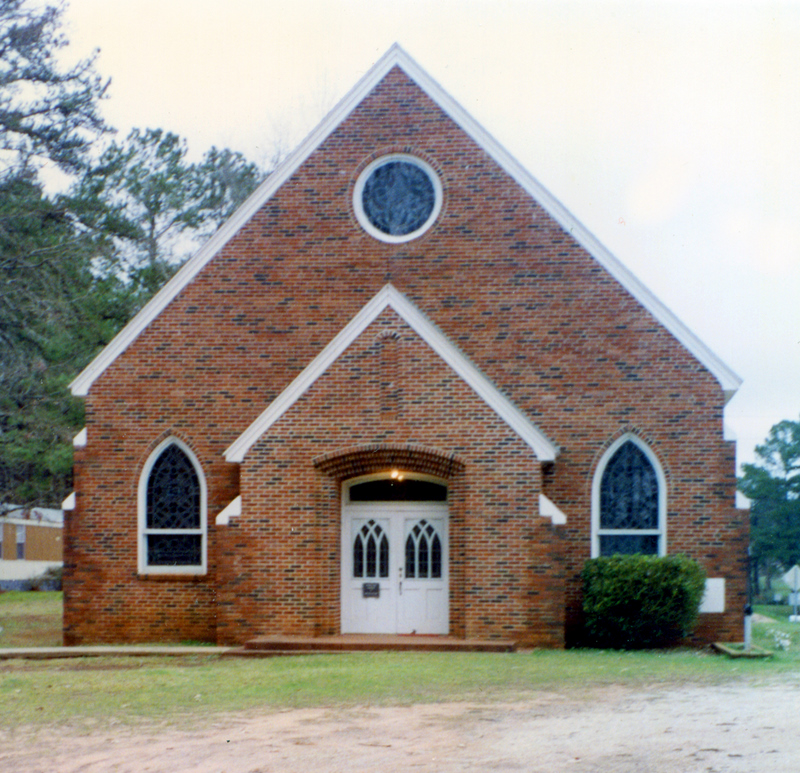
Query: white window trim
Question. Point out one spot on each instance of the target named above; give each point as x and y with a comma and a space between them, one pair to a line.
358, 202
661, 531
20, 542
143, 531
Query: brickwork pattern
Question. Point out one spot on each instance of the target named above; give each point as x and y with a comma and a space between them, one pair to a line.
541, 319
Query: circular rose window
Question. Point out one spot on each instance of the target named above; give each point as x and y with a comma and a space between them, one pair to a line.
397, 198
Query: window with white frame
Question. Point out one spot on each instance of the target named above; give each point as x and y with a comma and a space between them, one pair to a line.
20, 542
172, 512
397, 198
629, 501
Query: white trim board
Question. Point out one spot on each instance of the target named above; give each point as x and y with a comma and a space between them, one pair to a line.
548, 509
389, 297
396, 56
232, 510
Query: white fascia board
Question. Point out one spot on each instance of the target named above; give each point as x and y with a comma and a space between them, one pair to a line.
80, 440
69, 502
545, 450
83, 382
548, 509
387, 297
396, 56
232, 510
81, 385
728, 380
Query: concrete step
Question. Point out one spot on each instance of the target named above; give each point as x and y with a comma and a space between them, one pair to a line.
372, 643
244, 652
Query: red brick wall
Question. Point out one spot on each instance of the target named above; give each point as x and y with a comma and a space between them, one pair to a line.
540, 318
289, 532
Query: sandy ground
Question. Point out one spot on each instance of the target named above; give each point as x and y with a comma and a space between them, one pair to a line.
725, 729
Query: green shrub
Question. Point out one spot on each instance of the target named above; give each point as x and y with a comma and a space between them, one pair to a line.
50, 580
636, 602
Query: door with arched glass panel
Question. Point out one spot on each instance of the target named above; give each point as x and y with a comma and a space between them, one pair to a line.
423, 599
394, 556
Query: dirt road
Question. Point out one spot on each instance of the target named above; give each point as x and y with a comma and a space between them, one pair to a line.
734, 728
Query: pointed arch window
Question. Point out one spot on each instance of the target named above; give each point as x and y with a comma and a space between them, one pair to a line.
172, 512
371, 551
629, 501
423, 552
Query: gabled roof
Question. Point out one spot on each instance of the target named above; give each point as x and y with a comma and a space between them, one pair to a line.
397, 57
389, 297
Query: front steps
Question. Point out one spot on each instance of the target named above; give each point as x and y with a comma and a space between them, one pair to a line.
273, 646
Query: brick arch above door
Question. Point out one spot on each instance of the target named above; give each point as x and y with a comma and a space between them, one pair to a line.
367, 458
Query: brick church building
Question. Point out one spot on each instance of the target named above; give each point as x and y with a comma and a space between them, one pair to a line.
401, 391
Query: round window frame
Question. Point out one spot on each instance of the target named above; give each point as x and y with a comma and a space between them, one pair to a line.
358, 203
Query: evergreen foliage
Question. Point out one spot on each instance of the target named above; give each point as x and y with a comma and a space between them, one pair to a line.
638, 601
46, 111
47, 289
158, 207
773, 486
55, 314
74, 268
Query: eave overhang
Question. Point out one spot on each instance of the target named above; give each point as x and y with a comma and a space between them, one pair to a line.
397, 57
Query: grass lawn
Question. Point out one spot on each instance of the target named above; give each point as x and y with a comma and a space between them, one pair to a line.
30, 619
191, 690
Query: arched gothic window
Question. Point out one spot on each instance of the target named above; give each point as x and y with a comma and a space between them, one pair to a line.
371, 551
423, 552
629, 501
172, 512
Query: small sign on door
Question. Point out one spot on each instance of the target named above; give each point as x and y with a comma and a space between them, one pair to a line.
371, 590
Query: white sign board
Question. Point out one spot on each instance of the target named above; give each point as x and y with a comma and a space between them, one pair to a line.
792, 578
714, 596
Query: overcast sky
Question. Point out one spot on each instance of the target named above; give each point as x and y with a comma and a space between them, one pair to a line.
671, 130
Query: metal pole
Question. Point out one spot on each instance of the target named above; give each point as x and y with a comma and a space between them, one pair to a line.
748, 609
748, 627
792, 579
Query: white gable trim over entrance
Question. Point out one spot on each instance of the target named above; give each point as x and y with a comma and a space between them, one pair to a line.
389, 297
397, 57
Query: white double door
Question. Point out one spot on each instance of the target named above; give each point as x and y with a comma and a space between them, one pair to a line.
395, 568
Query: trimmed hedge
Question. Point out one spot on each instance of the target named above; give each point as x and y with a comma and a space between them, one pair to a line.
638, 602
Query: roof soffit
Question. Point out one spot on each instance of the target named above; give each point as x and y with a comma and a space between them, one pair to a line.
389, 297
397, 57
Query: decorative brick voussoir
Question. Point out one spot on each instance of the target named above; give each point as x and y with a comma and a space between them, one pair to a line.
364, 459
